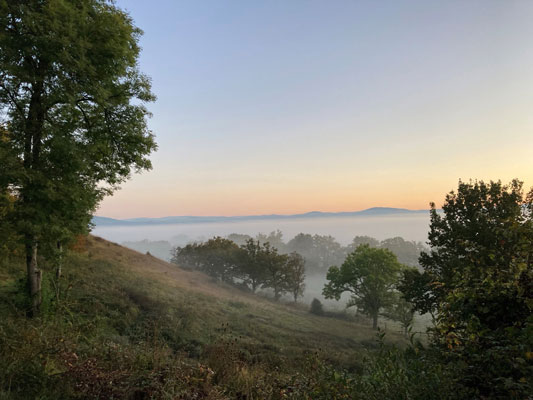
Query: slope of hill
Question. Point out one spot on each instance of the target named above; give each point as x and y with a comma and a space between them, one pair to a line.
126, 325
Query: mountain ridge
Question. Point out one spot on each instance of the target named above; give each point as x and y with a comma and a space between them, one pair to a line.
184, 219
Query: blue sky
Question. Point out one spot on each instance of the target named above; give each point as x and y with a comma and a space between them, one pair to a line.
292, 106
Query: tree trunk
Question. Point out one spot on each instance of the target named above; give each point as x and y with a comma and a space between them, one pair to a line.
32, 148
375, 321
35, 276
59, 260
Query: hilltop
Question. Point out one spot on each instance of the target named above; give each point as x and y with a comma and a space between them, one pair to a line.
124, 324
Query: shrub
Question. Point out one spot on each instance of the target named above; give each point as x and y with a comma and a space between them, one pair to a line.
316, 307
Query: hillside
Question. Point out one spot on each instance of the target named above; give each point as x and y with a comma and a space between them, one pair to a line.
127, 325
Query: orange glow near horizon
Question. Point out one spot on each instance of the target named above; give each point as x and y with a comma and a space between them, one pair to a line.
270, 201
373, 105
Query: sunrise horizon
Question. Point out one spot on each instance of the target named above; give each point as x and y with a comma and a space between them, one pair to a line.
337, 108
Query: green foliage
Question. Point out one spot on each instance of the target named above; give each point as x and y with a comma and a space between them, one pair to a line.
402, 311
252, 265
319, 252
295, 275
274, 238
370, 276
123, 330
478, 279
276, 270
316, 307
218, 257
73, 99
407, 252
359, 240
416, 288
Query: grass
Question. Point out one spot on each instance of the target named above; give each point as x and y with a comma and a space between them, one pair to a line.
128, 325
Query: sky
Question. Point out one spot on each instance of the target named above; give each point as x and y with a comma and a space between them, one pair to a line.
293, 106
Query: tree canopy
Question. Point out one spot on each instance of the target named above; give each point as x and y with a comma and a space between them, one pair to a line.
477, 279
370, 276
252, 265
74, 125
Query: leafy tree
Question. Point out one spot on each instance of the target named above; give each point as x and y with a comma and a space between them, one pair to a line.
407, 252
370, 276
274, 265
188, 256
295, 275
221, 259
304, 245
74, 101
218, 257
402, 311
238, 238
359, 240
275, 238
326, 251
417, 288
478, 277
319, 252
481, 248
252, 264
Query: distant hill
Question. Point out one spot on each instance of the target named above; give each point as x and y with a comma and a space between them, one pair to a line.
374, 211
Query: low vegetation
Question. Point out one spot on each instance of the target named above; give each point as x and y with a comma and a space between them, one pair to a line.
121, 324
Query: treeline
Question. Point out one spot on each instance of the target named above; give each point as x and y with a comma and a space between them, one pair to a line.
322, 251
252, 265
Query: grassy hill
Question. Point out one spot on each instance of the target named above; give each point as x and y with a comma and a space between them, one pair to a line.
121, 324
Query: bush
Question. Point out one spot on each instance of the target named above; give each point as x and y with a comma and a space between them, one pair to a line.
316, 307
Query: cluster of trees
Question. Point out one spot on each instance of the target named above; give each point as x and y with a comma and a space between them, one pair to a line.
476, 280
323, 251
73, 120
253, 264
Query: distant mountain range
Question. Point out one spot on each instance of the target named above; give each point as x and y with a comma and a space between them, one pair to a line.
374, 211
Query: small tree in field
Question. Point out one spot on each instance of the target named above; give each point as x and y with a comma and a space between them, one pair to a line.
402, 311
316, 307
73, 101
370, 276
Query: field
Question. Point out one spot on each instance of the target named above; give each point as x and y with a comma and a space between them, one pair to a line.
127, 325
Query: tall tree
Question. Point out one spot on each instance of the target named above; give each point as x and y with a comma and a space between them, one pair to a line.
370, 276
74, 100
478, 279
275, 268
252, 264
295, 275
481, 252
